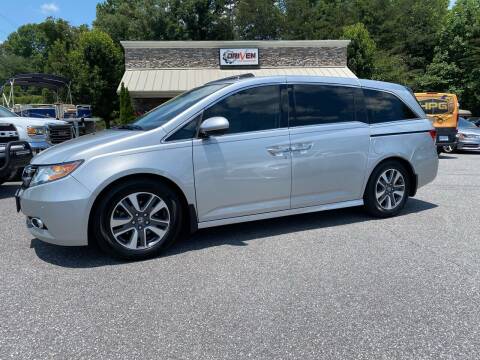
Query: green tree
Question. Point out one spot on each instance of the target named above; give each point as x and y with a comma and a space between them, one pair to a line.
34, 41
126, 108
361, 51
166, 19
137, 20
258, 19
414, 30
442, 76
299, 20
11, 64
391, 67
97, 65
204, 19
455, 65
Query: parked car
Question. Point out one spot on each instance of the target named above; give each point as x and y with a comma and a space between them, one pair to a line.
39, 133
231, 151
14, 154
468, 135
474, 120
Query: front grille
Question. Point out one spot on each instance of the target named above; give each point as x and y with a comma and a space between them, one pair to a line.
7, 127
59, 133
473, 146
7, 136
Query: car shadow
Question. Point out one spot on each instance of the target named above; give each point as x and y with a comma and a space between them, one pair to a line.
233, 235
8, 191
469, 152
447, 157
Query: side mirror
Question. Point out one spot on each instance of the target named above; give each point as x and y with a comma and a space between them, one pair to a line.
214, 125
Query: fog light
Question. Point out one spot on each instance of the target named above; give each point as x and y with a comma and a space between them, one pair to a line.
37, 223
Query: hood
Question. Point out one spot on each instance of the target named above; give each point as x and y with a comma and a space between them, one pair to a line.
91, 145
469, 131
28, 121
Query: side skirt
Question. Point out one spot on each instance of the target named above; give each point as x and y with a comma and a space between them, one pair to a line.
274, 214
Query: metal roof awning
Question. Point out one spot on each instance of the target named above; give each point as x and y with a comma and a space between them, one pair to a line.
152, 83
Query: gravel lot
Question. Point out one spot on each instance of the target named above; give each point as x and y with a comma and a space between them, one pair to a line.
320, 286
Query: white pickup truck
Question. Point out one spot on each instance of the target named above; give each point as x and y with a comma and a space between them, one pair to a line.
14, 154
39, 133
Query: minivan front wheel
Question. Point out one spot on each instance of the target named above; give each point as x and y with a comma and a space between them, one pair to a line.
137, 219
387, 190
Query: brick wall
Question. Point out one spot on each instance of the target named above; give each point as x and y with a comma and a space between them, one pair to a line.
138, 58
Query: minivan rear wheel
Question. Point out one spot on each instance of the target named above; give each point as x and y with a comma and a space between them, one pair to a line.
387, 190
137, 219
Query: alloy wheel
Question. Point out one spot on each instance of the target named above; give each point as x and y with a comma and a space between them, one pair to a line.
390, 189
140, 220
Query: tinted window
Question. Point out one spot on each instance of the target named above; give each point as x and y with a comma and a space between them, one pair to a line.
188, 131
322, 104
166, 111
384, 107
249, 110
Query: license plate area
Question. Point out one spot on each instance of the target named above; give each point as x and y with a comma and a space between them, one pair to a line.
443, 138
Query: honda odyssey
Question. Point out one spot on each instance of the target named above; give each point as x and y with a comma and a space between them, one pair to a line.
233, 150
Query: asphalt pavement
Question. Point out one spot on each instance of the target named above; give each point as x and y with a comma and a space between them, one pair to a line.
331, 285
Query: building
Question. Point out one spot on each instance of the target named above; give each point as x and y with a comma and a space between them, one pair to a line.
156, 71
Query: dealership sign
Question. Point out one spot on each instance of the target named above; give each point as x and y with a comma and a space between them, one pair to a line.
238, 57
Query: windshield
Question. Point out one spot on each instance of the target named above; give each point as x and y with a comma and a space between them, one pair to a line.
466, 124
6, 113
168, 110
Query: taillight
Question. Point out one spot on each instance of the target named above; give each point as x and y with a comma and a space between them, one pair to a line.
433, 134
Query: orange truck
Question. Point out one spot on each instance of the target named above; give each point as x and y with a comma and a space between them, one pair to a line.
443, 110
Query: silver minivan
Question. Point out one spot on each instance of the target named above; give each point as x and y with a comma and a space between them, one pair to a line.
231, 151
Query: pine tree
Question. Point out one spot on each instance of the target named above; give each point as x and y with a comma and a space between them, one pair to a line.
126, 108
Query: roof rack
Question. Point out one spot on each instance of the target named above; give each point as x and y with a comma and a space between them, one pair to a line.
235, 77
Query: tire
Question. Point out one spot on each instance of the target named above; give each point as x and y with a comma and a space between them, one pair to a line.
380, 179
16, 175
135, 231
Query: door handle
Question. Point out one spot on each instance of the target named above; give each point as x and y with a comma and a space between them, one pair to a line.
301, 148
279, 151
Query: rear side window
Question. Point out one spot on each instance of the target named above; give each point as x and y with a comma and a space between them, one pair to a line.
384, 107
322, 104
252, 109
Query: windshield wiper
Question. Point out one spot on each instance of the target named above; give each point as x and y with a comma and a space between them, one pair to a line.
130, 127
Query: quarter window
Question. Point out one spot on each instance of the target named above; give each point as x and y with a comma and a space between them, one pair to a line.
384, 107
322, 104
249, 110
188, 131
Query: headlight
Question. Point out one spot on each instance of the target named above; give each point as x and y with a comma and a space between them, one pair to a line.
48, 173
461, 136
36, 131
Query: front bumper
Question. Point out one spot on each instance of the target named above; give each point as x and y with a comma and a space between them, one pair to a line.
465, 144
63, 206
14, 155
